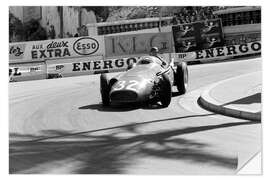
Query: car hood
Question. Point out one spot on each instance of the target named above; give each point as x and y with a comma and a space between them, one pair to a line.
145, 71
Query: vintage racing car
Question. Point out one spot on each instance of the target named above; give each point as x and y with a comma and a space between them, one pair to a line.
149, 80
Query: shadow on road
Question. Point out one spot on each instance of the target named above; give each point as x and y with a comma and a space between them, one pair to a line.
125, 106
114, 108
121, 107
111, 152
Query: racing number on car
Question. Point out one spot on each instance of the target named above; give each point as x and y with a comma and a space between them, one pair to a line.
131, 84
128, 84
120, 85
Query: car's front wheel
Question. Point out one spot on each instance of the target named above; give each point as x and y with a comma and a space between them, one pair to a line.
165, 91
104, 90
181, 77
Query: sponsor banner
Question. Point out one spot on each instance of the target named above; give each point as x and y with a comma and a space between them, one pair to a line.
226, 51
137, 44
220, 53
57, 49
93, 65
29, 71
198, 35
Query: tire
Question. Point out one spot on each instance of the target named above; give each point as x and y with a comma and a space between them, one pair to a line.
165, 91
181, 78
104, 90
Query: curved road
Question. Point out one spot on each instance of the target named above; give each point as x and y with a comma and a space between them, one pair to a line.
59, 126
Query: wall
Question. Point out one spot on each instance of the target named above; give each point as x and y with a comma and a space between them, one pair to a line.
153, 30
93, 28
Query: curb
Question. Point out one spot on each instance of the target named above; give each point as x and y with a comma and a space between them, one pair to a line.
208, 103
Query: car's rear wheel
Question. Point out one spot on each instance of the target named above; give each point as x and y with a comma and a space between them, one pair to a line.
181, 77
104, 90
165, 91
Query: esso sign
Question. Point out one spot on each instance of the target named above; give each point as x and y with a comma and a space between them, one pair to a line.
85, 46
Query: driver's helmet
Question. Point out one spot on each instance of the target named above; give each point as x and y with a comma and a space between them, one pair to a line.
154, 51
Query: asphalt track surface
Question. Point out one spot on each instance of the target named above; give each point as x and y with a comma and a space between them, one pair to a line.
60, 126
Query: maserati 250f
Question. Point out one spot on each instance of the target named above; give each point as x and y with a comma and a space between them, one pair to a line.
149, 80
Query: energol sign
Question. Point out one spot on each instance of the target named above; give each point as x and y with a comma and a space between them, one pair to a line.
233, 50
103, 64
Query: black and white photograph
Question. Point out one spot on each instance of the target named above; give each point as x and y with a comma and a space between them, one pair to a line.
137, 90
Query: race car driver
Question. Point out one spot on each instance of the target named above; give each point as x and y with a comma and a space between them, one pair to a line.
154, 52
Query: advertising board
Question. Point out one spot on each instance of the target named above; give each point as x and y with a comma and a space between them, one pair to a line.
137, 44
226, 51
56, 49
220, 53
88, 65
198, 35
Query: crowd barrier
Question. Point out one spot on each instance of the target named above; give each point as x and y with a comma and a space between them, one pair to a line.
93, 55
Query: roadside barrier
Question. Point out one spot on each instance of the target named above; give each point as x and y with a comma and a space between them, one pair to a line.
220, 53
93, 55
